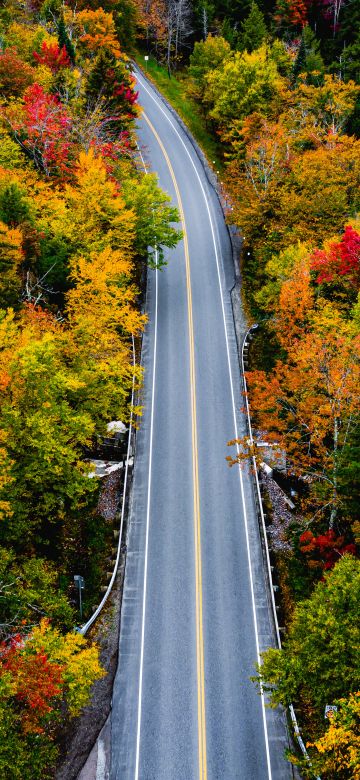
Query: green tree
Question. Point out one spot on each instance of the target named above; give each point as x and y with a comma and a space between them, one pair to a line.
14, 209
64, 40
243, 84
206, 56
253, 29
29, 590
319, 661
308, 59
154, 216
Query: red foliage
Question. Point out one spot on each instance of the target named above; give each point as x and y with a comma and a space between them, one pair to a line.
36, 681
15, 74
294, 12
126, 92
328, 547
342, 259
44, 129
52, 56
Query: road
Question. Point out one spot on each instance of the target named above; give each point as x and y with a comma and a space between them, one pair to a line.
195, 611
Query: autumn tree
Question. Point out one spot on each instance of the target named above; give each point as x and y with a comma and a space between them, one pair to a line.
37, 678
15, 74
97, 31
336, 754
110, 90
318, 662
326, 106
52, 56
308, 404
11, 257
42, 127
339, 261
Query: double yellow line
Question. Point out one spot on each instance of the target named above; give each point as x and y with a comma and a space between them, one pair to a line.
197, 534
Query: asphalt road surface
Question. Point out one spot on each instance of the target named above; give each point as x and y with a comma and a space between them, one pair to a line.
196, 610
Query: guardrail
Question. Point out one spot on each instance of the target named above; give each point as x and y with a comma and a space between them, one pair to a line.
267, 554
83, 630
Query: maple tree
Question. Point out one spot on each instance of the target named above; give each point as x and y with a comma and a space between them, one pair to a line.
42, 127
325, 549
340, 260
52, 56
38, 675
97, 31
15, 74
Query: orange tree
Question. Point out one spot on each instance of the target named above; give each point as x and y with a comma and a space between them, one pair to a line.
309, 403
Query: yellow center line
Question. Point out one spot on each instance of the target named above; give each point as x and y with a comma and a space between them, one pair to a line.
197, 528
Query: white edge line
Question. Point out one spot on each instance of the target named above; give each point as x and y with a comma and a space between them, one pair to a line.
138, 730
234, 415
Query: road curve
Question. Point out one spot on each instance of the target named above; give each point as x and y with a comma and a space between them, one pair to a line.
195, 611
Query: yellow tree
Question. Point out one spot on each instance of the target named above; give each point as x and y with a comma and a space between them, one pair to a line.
337, 753
97, 31
11, 257
95, 214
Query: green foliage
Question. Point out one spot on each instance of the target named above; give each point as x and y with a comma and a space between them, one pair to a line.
253, 30
29, 590
14, 209
319, 659
308, 59
206, 56
154, 216
244, 84
64, 40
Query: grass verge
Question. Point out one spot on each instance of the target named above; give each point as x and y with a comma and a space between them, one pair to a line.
174, 89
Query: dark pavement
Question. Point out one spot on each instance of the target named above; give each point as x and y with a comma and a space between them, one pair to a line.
155, 734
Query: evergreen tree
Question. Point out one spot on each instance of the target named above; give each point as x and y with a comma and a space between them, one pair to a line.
253, 29
64, 40
13, 207
300, 61
309, 59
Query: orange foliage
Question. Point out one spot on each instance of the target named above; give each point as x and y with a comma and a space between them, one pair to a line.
97, 31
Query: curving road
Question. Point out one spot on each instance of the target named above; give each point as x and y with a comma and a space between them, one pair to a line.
195, 611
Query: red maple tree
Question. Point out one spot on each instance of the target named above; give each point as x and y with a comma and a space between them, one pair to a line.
52, 56
341, 259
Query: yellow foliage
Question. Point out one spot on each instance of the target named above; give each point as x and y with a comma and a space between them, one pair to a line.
79, 661
44, 77
97, 31
97, 213
26, 39
339, 748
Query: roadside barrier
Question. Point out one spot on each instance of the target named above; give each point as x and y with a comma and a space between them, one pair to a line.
83, 630
295, 724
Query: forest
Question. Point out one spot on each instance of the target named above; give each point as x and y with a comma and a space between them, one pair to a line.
275, 89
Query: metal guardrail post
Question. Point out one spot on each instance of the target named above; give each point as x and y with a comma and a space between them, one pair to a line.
267, 553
